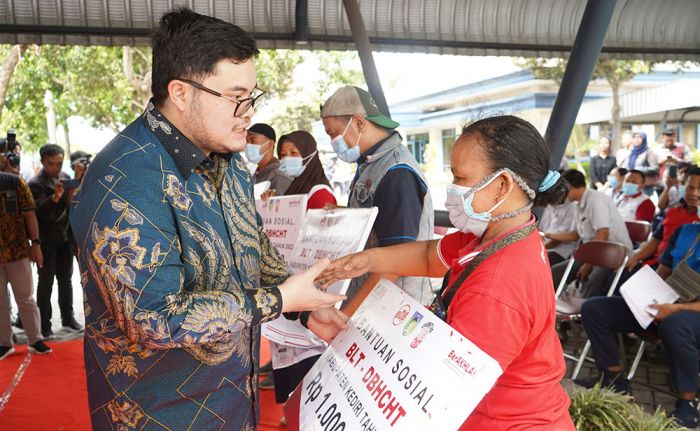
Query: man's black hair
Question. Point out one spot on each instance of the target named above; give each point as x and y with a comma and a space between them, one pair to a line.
50, 150
575, 178
638, 172
189, 45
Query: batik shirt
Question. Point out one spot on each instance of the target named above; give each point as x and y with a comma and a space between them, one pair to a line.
177, 275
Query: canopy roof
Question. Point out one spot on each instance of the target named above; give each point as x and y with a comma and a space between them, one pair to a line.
642, 29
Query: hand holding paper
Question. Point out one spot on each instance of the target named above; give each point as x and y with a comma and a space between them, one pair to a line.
663, 310
327, 322
299, 292
350, 266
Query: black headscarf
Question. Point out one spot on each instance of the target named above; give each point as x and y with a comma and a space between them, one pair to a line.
313, 174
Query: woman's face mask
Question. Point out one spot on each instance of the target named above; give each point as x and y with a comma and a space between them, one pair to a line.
614, 182
294, 166
348, 155
462, 214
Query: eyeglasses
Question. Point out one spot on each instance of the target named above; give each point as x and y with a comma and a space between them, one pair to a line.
242, 105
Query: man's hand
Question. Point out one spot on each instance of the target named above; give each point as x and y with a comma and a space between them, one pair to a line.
584, 271
329, 206
299, 293
633, 262
664, 310
671, 182
57, 191
327, 322
36, 255
350, 266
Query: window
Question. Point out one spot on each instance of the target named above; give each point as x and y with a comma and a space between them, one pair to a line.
448, 138
416, 145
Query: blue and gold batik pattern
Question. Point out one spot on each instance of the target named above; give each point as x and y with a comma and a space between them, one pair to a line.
177, 276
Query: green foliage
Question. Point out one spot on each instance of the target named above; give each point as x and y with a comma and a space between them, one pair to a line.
300, 108
601, 409
613, 71
275, 69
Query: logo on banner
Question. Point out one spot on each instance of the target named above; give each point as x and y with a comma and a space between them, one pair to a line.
412, 323
401, 315
426, 329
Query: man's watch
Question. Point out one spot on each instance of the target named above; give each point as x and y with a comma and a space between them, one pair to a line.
35, 241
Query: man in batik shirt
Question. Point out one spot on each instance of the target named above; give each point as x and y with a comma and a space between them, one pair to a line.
177, 272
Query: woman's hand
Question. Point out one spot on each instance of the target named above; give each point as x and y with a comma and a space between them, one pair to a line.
350, 266
267, 194
327, 322
299, 293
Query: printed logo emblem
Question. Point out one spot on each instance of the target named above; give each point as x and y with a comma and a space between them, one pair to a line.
426, 329
412, 323
401, 315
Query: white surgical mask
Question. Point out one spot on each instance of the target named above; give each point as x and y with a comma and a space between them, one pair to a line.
348, 155
462, 214
294, 166
253, 154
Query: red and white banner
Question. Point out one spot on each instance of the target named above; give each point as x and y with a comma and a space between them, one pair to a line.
397, 367
282, 219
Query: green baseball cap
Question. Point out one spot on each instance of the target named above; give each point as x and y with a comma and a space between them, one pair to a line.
351, 100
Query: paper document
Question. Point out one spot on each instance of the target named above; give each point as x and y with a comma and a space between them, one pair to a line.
645, 288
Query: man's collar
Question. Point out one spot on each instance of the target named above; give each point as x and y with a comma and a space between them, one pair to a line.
366, 155
186, 155
582, 202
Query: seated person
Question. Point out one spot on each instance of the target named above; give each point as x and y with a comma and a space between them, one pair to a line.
682, 213
614, 184
635, 205
558, 218
673, 192
678, 325
260, 150
597, 219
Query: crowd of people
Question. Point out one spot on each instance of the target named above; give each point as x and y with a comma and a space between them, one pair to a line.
178, 274
34, 220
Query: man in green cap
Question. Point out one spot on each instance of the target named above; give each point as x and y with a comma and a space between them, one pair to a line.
387, 177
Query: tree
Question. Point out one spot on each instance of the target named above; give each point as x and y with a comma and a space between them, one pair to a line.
108, 86
300, 109
615, 72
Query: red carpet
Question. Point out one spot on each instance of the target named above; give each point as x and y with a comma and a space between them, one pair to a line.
52, 394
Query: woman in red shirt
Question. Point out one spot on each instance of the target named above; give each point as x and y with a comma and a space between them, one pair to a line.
499, 288
299, 159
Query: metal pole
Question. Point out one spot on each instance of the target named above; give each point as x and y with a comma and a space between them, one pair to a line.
301, 30
359, 35
582, 61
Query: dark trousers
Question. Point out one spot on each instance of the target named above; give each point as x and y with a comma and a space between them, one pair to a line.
604, 317
58, 263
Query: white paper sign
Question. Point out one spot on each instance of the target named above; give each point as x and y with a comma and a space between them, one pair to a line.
397, 367
644, 288
282, 218
330, 234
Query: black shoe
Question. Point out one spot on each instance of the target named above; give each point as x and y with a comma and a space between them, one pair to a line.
686, 413
268, 382
265, 369
612, 380
6, 351
47, 334
39, 348
73, 325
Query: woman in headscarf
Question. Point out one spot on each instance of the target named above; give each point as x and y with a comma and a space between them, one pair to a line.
299, 159
642, 159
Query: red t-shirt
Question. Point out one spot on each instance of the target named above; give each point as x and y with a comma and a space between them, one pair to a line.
319, 196
675, 217
646, 211
507, 308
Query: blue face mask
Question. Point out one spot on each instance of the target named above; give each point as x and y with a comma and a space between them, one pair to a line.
614, 182
348, 155
253, 154
630, 189
681, 191
294, 166
462, 214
